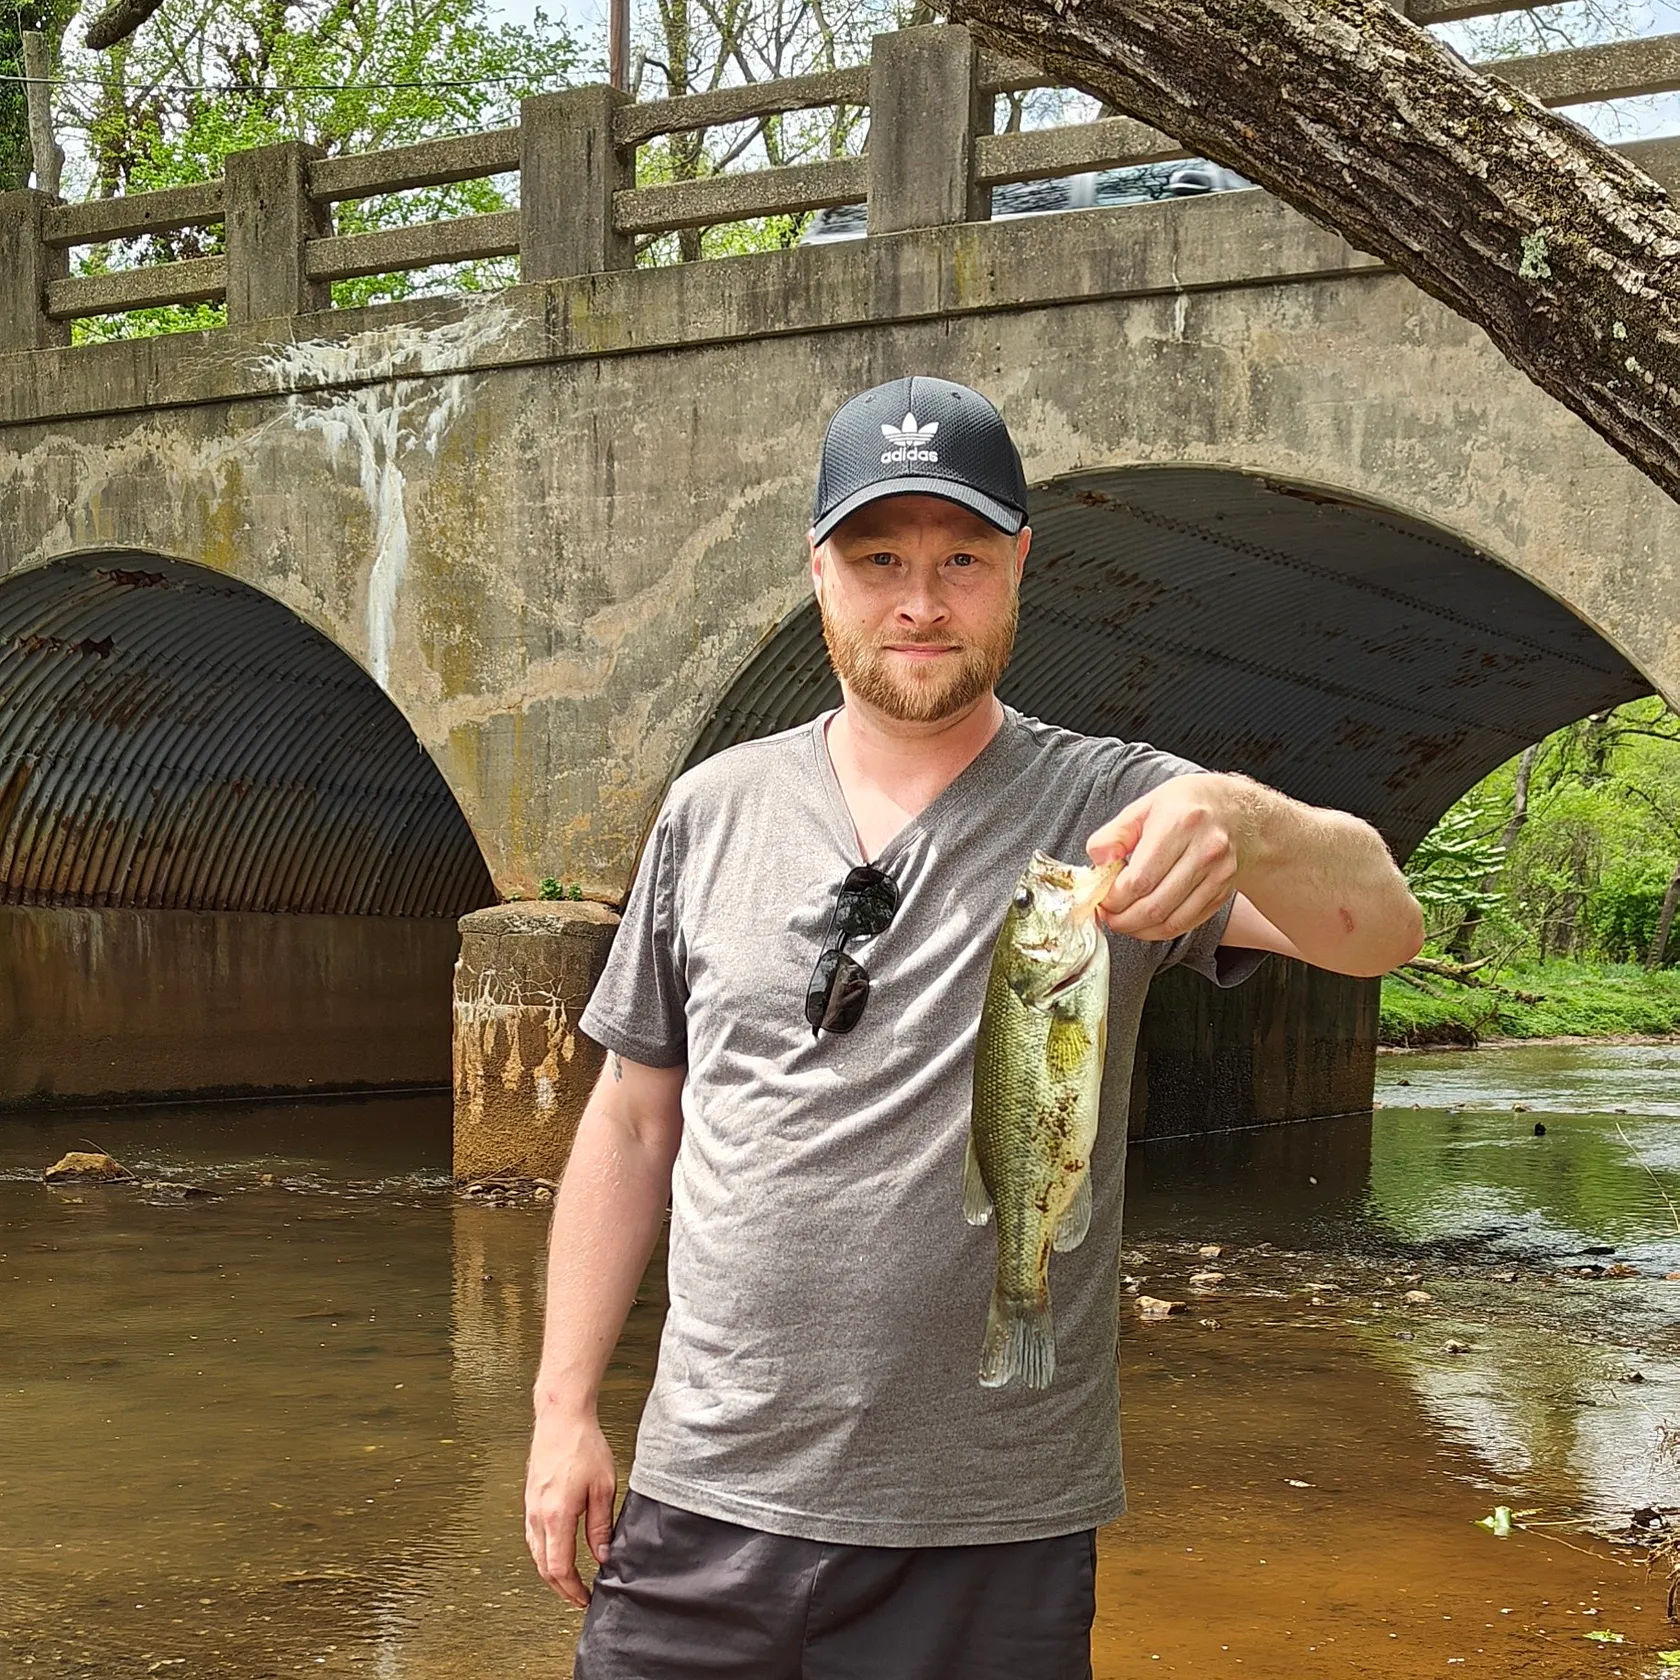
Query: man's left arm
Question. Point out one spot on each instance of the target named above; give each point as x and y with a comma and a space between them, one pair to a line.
1312, 883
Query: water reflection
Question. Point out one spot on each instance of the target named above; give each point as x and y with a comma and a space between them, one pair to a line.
1563, 1078
282, 1427
1572, 1397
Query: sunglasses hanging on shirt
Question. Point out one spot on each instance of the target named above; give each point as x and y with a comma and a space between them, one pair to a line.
866, 903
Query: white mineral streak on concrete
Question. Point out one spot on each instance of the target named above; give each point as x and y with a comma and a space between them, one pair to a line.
354, 399
489, 1044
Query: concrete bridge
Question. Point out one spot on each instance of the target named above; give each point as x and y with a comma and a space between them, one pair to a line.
324, 627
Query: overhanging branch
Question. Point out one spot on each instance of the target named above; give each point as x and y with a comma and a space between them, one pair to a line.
1516, 217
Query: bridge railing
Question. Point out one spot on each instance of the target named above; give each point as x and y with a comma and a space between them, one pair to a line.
931, 160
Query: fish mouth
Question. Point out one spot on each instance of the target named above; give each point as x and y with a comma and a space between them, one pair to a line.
1072, 978
1022, 985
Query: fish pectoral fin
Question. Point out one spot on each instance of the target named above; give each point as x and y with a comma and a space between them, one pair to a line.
1076, 1221
1020, 1342
977, 1201
1067, 1047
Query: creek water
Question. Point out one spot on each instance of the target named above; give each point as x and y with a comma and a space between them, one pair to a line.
278, 1427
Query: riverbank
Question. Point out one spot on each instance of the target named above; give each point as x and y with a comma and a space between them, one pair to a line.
1559, 1002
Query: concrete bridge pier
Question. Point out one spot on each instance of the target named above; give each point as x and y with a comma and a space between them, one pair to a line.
522, 1069
1291, 1043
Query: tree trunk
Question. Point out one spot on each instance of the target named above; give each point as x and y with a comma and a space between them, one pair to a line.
1560, 250
1665, 921
1468, 928
1567, 931
43, 143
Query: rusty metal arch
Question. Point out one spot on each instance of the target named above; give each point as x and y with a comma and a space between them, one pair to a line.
171, 738
1349, 654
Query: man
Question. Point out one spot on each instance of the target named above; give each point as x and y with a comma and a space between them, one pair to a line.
822, 1488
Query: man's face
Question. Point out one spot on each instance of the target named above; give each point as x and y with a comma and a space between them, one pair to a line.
919, 599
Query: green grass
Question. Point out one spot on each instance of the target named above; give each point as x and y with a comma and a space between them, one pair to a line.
1588, 1000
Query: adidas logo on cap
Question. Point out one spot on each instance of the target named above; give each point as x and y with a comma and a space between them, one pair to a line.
910, 439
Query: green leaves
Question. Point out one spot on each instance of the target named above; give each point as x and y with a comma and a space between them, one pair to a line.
345, 75
49, 18
1455, 858
1585, 874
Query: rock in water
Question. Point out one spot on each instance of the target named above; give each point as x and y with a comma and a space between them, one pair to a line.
86, 1164
1151, 1307
1038, 1065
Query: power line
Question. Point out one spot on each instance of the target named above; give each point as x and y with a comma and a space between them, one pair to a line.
282, 87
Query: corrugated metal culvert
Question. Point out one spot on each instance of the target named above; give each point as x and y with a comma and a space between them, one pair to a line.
1337, 651
171, 738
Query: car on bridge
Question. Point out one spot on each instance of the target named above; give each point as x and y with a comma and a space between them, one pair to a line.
1140, 183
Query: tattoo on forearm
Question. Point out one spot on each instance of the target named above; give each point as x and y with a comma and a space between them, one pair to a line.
616, 1065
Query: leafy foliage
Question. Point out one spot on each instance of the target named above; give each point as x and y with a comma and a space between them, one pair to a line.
1451, 864
1586, 874
1620, 915
346, 75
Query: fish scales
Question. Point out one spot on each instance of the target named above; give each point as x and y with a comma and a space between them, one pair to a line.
1037, 1079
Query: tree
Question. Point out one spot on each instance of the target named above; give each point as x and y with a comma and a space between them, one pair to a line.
1474, 909
168, 106
1588, 825
694, 46
1455, 867
49, 17
1512, 215
1658, 947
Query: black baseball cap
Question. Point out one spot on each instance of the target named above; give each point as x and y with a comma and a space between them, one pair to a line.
919, 436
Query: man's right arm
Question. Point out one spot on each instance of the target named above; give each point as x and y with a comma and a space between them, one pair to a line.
607, 1214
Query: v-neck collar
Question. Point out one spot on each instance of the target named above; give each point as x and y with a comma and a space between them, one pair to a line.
974, 774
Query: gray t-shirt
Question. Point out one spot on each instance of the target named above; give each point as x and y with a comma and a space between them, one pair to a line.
818, 1370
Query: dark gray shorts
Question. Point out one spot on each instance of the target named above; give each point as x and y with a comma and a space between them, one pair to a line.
683, 1596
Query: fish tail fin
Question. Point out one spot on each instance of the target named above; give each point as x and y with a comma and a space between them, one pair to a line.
1020, 1342
1076, 1222
977, 1201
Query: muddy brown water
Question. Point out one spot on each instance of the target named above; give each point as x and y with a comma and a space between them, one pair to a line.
279, 1428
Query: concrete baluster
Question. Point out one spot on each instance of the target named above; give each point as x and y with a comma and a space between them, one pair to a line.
925, 108
569, 169
28, 263
270, 216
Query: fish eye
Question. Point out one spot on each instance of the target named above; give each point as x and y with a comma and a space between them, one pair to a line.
1023, 898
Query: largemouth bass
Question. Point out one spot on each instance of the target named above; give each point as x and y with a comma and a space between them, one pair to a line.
1037, 1073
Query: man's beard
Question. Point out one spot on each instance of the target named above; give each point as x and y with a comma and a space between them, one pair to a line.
926, 694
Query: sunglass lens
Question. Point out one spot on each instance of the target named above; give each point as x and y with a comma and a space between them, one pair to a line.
868, 901
847, 995
838, 991
816, 994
